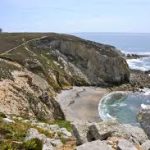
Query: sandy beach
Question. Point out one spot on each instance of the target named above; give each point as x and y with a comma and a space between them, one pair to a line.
81, 103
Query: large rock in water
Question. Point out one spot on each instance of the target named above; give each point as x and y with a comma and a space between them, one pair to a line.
100, 63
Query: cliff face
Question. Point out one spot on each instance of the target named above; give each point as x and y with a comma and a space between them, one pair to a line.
27, 94
32, 73
101, 64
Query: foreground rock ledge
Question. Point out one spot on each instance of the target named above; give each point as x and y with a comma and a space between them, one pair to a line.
110, 132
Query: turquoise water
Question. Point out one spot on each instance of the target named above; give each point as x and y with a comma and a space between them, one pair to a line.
122, 106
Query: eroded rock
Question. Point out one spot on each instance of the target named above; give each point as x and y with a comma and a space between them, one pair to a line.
94, 145
80, 131
144, 119
104, 130
125, 145
146, 145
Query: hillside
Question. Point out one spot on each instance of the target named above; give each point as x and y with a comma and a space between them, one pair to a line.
34, 67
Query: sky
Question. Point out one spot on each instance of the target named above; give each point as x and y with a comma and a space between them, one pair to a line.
71, 16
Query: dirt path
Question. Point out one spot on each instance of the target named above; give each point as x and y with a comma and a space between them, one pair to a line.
81, 103
6, 52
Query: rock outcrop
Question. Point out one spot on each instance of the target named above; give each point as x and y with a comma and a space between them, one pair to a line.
125, 145
144, 119
146, 145
28, 95
95, 145
110, 132
99, 63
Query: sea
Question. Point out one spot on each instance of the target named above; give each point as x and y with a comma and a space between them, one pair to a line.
128, 43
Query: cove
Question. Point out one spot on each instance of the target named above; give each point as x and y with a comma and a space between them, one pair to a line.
123, 106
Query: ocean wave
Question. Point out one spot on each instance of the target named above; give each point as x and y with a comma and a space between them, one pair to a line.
142, 64
107, 99
124, 106
146, 91
135, 52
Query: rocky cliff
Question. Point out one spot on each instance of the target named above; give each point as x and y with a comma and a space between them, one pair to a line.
99, 64
34, 67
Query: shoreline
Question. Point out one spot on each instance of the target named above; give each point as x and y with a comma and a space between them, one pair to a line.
80, 104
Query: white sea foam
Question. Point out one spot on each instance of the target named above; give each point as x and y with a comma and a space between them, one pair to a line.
142, 64
102, 108
143, 106
146, 91
138, 53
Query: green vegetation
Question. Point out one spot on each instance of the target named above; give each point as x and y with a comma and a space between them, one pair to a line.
13, 134
14, 131
11, 145
33, 144
63, 124
6, 69
2, 115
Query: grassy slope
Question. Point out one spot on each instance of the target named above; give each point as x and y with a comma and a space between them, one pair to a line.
40, 62
45, 66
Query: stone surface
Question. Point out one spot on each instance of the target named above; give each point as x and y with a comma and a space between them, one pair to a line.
24, 97
80, 131
65, 132
7, 120
56, 143
144, 119
146, 145
104, 130
135, 134
95, 145
125, 145
101, 130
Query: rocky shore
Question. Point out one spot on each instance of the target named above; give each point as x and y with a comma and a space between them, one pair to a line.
50, 88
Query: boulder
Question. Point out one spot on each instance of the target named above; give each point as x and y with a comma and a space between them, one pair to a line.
106, 129
80, 131
65, 133
146, 145
87, 132
124, 144
56, 143
135, 134
94, 145
101, 131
